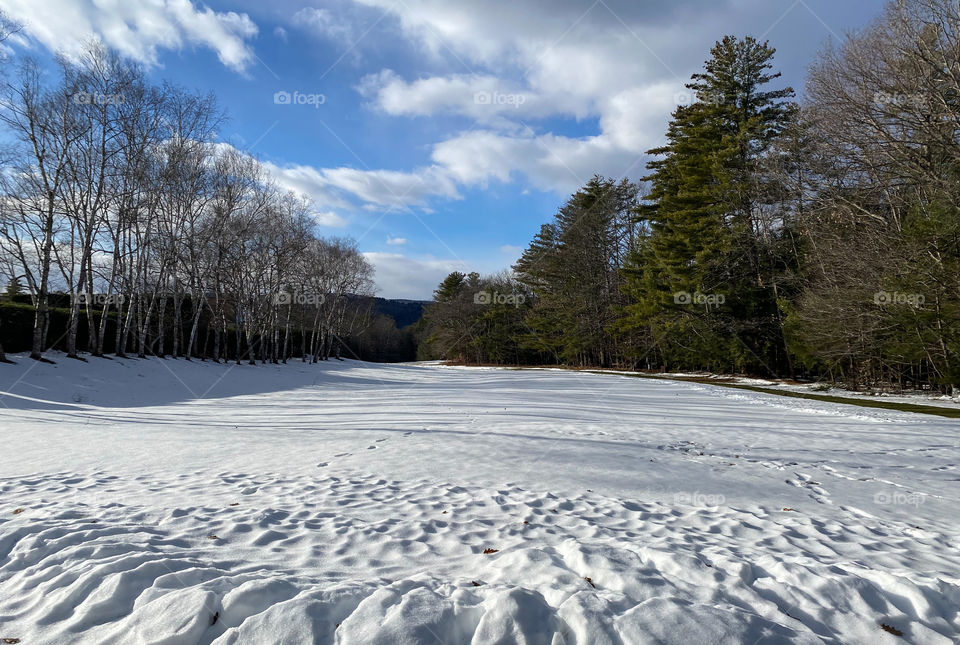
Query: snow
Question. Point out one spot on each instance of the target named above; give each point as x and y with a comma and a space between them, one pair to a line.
914, 397
163, 501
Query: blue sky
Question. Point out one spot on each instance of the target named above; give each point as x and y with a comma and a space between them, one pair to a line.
440, 134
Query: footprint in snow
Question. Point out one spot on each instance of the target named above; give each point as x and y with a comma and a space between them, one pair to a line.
343, 454
322, 464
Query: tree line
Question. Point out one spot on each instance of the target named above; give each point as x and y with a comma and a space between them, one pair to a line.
123, 213
816, 239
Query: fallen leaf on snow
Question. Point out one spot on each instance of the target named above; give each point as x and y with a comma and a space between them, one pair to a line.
890, 630
489, 551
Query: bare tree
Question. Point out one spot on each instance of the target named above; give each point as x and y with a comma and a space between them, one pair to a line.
41, 122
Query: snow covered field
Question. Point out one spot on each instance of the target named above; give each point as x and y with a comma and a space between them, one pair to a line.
172, 502
914, 397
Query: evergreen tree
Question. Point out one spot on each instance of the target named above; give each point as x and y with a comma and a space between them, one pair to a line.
477, 319
573, 269
702, 276
13, 289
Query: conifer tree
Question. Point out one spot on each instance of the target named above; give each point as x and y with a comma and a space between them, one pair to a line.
573, 267
14, 289
702, 277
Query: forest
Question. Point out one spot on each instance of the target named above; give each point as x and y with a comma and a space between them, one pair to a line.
128, 228
814, 238
805, 238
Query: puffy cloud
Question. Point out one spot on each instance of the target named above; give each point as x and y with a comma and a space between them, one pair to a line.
630, 124
621, 62
530, 34
532, 61
549, 162
483, 97
329, 219
308, 181
136, 29
521, 67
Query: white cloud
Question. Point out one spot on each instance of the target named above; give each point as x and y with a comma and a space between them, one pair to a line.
329, 219
136, 29
510, 249
528, 35
477, 157
325, 23
399, 276
485, 98
308, 181
375, 190
620, 62
549, 162
631, 122
396, 241
391, 188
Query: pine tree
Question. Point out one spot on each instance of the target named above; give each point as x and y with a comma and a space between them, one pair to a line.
701, 278
573, 268
13, 289
450, 288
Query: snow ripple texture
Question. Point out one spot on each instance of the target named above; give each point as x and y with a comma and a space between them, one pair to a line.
418, 504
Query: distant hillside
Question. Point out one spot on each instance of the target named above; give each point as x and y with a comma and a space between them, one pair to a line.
404, 312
